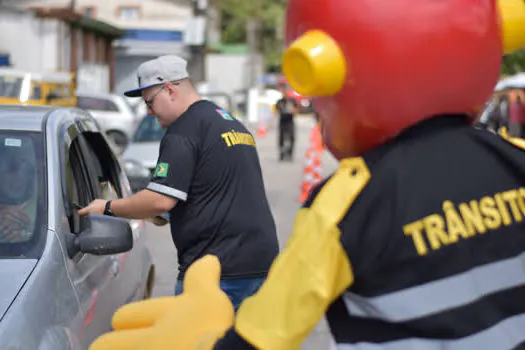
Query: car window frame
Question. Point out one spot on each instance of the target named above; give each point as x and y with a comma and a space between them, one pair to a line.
74, 145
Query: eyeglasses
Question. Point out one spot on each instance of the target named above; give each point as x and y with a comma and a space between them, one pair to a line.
149, 102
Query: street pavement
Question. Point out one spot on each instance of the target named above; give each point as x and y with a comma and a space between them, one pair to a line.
282, 182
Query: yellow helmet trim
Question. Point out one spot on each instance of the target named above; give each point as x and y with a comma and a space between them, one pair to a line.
314, 65
512, 14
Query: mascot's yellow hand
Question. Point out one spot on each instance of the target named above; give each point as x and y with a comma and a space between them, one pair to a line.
193, 320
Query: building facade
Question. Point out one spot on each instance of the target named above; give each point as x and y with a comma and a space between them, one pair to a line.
60, 40
150, 28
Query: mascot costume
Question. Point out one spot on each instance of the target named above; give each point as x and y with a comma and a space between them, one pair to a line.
417, 241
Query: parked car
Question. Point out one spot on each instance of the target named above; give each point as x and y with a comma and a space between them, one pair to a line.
37, 88
140, 157
113, 113
62, 275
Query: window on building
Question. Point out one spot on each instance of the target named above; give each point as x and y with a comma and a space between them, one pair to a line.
89, 11
128, 13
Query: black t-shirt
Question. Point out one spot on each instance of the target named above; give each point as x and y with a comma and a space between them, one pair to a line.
208, 161
286, 108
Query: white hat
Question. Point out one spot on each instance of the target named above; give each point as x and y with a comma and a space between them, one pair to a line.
159, 71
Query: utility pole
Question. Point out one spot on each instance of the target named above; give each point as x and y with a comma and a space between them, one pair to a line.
73, 5
198, 48
252, 38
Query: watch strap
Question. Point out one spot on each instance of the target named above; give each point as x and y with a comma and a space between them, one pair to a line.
107, 209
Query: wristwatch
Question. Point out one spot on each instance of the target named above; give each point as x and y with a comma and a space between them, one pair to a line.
107, 209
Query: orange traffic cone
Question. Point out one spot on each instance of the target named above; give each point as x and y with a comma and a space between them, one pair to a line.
312, 168
316, 139
262, 130
312, 174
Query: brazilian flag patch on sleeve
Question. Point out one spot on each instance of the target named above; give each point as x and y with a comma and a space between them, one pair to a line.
161, 170
224, 114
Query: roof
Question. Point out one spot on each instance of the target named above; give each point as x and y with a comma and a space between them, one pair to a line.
58, 77
80, 21
26, 118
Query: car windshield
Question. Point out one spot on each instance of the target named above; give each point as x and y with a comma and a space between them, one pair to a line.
149, 130
10, 86
22, 192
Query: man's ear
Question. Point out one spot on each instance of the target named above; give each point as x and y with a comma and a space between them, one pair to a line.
172, 90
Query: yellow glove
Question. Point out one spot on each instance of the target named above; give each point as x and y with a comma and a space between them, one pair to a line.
194, 320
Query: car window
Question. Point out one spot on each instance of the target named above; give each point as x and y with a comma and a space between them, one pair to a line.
149, 130
103, 167
91, 171
10, 86
66, 91
37, 93
78, 186
96, 104
22, 192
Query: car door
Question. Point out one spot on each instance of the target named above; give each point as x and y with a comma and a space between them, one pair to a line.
126, 280
90, 274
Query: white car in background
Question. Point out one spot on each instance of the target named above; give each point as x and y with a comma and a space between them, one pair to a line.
114, 115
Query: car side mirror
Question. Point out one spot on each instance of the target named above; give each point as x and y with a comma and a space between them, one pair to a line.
102, 235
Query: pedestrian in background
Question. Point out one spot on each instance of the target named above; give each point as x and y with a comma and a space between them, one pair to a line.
287, 109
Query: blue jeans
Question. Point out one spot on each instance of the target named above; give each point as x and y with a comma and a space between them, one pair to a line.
236, 289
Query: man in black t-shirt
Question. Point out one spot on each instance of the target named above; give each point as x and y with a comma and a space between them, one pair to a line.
287, 109
208, 177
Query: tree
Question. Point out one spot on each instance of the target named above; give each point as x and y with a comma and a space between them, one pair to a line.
258, 23
513, 63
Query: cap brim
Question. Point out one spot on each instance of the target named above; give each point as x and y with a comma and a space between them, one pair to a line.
138, 92
134, 93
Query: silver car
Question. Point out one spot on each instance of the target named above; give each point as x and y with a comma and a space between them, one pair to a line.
140, 157
62, 276
113, 113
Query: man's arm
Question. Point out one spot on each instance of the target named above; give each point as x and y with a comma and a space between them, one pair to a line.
295, 107
277, 109
142, 205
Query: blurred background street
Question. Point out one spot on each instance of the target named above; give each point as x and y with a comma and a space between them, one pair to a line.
79, 56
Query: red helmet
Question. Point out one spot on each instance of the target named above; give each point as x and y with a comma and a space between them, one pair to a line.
376, 67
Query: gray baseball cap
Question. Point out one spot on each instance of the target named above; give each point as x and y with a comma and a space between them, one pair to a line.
159, 71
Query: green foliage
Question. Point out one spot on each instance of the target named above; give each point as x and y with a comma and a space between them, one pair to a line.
269, 15
513, 63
